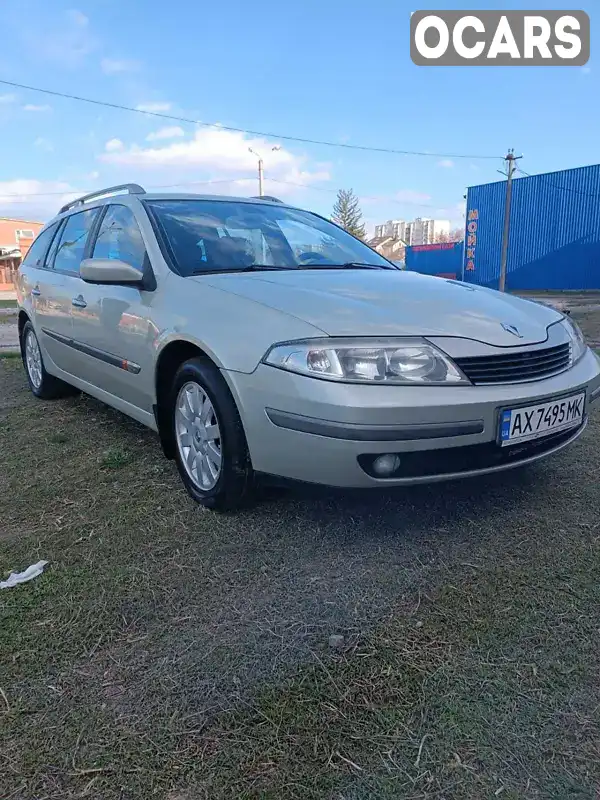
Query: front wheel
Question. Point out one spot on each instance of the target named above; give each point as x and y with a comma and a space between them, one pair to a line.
41, 383
210, 444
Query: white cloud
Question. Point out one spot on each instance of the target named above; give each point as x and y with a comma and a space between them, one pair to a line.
78, 18
409, 196
114, 146
33, 199
173, 132
66, 41
43, 144
34, 108
93, 175
114, 66
155, 108
223, 153
455, 213
446, 163
7, 99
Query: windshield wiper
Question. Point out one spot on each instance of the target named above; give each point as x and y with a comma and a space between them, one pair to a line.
361, 265
347, 265
250, 268
273, 268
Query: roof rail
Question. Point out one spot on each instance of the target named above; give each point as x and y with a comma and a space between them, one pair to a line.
132, 188
267, 197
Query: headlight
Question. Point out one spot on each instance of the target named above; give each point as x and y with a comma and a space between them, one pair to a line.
397, 361
578, 344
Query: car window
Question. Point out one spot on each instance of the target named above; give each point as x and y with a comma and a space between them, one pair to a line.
250, 242
73, 239
37, 251
49, 260
308, 242
120, 237
221, 236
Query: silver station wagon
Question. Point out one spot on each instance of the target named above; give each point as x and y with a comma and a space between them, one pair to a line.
258, 338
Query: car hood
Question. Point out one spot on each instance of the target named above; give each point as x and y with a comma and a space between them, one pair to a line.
393, 303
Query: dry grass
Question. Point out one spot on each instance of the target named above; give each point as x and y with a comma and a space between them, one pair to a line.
167, 652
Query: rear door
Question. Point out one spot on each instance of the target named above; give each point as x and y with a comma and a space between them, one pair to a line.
31, 272
59, 286
113, 328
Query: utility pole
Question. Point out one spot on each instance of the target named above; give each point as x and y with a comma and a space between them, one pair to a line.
260, 178
261, 170
511, 166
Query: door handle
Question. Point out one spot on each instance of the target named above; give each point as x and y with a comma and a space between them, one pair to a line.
78, 302
36, 291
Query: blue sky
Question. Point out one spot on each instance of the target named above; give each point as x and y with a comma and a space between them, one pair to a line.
333, 70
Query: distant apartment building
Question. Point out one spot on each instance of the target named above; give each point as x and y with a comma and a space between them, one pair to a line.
16, 236
418, 231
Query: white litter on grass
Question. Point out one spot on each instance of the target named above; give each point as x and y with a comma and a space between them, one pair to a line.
22, 577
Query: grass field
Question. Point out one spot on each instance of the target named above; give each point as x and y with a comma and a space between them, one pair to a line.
171, 653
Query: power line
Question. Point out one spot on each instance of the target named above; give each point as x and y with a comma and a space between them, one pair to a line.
174, 118
560, 188
212, 182
362, 196
156, 186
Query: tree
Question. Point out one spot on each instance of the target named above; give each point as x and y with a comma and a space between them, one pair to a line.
456, 235
347, 213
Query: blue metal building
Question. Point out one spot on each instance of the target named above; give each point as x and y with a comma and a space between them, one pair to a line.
443, 259
554, 240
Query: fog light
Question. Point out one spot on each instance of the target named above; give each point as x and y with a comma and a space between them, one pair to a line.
386, 465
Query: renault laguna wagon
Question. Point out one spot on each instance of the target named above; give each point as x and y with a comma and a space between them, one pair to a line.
261, 339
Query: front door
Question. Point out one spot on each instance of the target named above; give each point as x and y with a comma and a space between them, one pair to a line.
112, 324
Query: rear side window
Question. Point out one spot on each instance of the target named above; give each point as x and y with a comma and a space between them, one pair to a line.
73, 239
53, 248
119, 237
37, 252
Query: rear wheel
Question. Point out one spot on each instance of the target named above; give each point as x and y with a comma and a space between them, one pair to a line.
41, 383
210, 444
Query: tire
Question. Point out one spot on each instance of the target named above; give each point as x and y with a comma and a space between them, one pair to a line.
209, 441
41, 383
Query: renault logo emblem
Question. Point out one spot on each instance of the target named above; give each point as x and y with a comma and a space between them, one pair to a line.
512, 329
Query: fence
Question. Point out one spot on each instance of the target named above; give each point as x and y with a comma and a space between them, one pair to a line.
8, 273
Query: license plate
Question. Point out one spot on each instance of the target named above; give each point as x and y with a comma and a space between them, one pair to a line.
541, 419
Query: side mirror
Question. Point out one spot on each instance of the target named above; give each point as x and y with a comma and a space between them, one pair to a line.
109, 270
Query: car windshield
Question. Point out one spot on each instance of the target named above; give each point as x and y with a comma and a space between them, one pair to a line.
229, 236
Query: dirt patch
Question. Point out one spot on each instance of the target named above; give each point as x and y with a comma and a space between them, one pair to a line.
9, 336
588, 318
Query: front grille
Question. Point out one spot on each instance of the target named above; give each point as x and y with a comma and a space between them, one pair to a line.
514, 367
469, 458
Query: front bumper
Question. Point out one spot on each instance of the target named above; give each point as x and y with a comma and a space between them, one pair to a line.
319, 431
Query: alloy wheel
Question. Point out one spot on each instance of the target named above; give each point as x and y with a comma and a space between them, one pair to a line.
198, 436
33, 359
